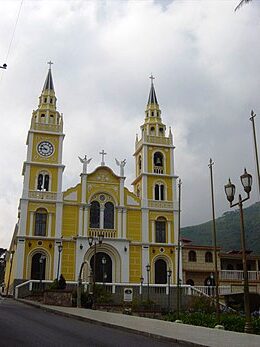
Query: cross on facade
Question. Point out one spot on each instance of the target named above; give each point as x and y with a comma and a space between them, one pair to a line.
50, 63
103, 157
152, 78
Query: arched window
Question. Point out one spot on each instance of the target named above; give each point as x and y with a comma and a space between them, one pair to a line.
160, 230
158, 162
160, 268
94, 214
40, 222
192, 256
161, 131
38, 266
109, 216
152, 130
159, 191
140, 163
43, 182
138, 191
208, 257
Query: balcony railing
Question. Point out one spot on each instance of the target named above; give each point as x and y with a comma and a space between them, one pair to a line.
238, 275
40, 195
47, 127
160, 204
109, 233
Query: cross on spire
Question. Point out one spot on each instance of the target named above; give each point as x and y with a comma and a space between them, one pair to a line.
152, 78
50, 63
103, 157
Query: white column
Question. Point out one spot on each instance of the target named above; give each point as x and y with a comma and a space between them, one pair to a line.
153, 231
102, 217
26, 180
83, 187
23, 217
145, 261
145, 225
119, 222
122, 181
58, 224
59, 188
171, 162
124, 224
30, 146
79, 257
31, 223
49, 224
60, 149
169, 232
145, 161
19, 254
80, 224
85, 221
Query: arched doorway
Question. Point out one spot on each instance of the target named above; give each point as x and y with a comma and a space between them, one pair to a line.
38, 268
160, 267
103, 269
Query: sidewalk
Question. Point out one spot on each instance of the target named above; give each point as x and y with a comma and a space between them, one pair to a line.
175, 332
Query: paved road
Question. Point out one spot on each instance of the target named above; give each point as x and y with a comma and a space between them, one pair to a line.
22, 325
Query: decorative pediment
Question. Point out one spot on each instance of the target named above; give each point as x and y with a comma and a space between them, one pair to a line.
103, 174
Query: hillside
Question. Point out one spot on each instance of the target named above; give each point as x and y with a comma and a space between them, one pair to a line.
228, 230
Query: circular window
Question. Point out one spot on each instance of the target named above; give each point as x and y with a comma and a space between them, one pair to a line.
102, 197
161, 250
39, 243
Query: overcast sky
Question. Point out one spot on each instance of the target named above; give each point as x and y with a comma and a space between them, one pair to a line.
206, 60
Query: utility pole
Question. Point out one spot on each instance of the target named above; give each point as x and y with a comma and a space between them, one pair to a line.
252, 119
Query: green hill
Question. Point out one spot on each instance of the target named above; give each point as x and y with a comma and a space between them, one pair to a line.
228, 230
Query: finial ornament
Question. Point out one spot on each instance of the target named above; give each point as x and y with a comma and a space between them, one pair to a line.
50, 63
121, 164
85, 163
152, 78
103, 153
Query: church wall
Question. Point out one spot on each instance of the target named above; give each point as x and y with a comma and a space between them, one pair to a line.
68, 260
152, 180
166, 155
70, 220
135, 263
34, 172
134, 225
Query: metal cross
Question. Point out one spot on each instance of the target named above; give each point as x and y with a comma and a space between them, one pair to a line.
103, 157
50, 64
152, 78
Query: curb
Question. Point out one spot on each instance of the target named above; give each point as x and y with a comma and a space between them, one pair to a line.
110, 325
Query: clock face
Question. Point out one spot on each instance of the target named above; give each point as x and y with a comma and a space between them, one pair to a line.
45, 148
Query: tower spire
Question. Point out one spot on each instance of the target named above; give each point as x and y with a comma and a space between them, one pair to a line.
48, 85
152, 99
48, 98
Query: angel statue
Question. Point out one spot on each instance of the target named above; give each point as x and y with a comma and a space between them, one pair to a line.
121, 164
85, 163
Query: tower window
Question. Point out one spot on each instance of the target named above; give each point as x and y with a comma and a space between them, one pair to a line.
140, 163
159, 191
51, 101
42, 115
160, 230
161, 131
45, 100
43, 182
158, 162
40, 223
152, 131
94, 214
152, 113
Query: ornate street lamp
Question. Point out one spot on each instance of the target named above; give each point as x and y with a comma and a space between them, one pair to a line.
60, 247
94, 241
246, 180
169, 273
148, 269
141, 282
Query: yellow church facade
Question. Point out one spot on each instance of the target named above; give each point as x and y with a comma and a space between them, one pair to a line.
57, 230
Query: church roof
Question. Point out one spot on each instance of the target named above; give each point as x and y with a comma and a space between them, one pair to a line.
152, 99
48, 85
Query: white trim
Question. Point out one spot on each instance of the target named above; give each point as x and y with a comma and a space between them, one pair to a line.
31, 223
49, 224
23, 217
85, 221
124, 223
19, 258
145, 225
80, 223
169, 232
58, 224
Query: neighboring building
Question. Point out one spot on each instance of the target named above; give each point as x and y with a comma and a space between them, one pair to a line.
138, 227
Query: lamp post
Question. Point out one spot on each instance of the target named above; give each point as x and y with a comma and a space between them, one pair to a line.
41, 261
169, 273
252, 119
93, 242
246, 180
141, 282
104, 261
148, 268
59, 251
211, 163
179, 251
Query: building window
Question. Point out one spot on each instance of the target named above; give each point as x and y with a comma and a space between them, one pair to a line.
208, 257
109, 216
160, 230
230, 267
152, 131
94, 214
159, 191
43, 182
161, 132
40, 222
158, 162
140, 163
192, 256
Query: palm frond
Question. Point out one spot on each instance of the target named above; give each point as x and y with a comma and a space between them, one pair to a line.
242, 2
